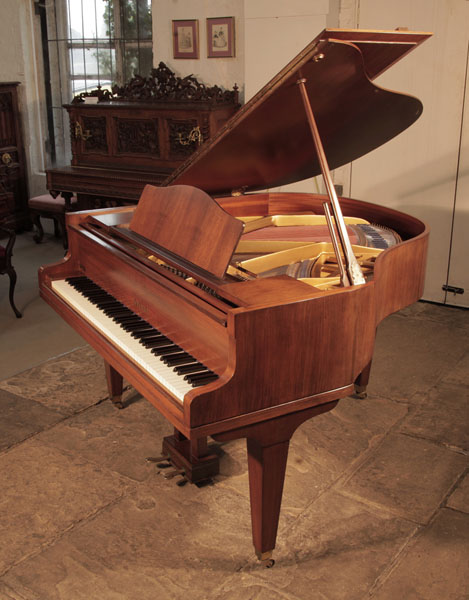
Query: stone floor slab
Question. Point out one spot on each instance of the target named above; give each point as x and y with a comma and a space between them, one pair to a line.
158, 542
459, 373
21, 418
441, 416
412, 355
459, 499
118, 440
436, 566
67, 384
448, 315
246, 587
336, 550
409, 476
44, 492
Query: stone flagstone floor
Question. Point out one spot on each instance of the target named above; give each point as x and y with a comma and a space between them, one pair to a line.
376, 500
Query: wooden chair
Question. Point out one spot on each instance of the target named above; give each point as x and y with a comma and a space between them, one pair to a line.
46, 206
6, 268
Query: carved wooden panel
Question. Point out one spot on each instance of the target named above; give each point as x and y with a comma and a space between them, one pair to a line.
183, 137
94, 129
137, 136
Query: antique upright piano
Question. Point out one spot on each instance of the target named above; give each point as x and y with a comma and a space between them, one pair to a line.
136, 134
239, 313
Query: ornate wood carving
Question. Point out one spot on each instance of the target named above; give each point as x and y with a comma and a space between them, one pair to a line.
163, 85
95, 128
137, 136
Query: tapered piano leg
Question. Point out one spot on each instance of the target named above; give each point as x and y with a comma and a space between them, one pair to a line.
267, 466
267, 446
114, 385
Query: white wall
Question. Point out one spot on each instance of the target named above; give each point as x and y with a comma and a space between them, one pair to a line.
417, 171
224, 72
275, 32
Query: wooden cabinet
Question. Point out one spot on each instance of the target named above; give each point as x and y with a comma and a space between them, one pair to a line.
14, 202
139, 135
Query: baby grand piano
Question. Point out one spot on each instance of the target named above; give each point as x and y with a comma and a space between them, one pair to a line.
246, 316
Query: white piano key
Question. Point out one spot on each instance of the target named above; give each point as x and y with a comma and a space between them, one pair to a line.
151, 364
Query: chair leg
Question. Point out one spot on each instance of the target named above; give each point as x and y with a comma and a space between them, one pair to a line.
56, 228
12, 275
39, 233
63, 231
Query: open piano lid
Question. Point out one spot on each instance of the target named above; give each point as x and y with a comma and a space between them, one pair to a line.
268, 142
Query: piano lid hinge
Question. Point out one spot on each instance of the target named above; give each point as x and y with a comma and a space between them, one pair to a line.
239, 191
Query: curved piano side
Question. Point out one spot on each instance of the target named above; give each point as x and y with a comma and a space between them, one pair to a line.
317, 345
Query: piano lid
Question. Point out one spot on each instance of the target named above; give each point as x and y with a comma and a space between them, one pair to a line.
268, 142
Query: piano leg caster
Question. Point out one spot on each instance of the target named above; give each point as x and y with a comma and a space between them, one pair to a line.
117, 402
361, 382
360, 392
265, 558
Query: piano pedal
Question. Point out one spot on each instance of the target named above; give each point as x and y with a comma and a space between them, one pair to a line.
162, 462
182, 482
173, 473
157, 459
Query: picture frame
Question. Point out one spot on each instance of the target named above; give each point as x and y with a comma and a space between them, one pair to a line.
220, 37
186, 38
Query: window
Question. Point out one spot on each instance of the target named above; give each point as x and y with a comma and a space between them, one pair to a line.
87, 43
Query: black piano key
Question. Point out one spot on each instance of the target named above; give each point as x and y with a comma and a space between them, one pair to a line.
162, 350
150, 334
132, 320
112, 306
138, 327
191, 377
132, 324
173, 359
200, 382
192, 368
156, 343
115, 312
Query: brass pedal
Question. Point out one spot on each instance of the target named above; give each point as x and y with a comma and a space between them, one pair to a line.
162, 462
173, 473
156, 459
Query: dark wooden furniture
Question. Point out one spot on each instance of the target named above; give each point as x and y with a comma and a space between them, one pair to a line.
262, 354
47, 207
12, 158
7, 241
137, 134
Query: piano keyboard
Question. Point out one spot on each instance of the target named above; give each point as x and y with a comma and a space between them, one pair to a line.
173, 368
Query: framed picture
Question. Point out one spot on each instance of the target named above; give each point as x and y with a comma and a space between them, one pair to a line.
186, 39
220, 37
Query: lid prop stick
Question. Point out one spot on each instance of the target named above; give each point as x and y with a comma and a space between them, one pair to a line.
352, 275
